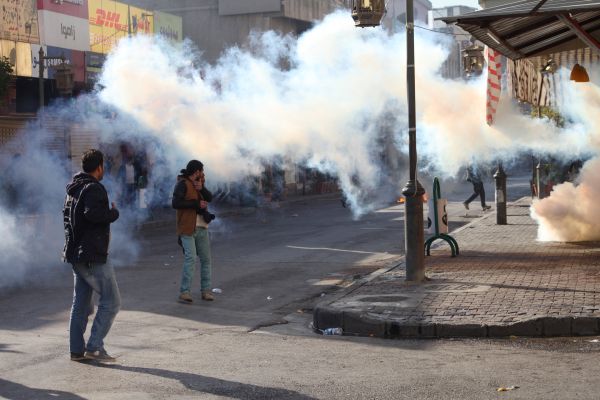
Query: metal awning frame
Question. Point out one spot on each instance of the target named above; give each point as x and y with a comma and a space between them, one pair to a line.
530, 28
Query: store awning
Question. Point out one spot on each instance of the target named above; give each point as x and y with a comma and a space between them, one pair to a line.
529, 28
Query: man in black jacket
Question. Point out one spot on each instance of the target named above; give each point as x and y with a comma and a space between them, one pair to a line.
87, 219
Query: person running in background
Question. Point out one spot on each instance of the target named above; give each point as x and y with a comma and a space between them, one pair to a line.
474, 177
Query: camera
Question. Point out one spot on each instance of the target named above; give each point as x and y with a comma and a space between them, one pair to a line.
207, 216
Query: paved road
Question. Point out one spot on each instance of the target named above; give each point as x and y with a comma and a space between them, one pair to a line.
254, 341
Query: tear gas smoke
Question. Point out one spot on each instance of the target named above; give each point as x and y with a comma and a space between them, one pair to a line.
320, 98
571, 213
333, 99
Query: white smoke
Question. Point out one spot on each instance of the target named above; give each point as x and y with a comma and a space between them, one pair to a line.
333, 99
321, 98
571, 213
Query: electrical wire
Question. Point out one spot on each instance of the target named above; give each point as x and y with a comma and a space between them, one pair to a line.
443, 33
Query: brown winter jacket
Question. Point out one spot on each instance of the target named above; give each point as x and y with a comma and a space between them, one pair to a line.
186, 200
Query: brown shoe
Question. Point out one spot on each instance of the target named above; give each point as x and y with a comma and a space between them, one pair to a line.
185, 298
207, 296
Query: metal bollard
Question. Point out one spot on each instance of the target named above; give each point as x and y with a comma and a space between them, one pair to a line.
500, 178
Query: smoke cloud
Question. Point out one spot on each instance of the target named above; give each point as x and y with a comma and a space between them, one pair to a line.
571, 212
333, 99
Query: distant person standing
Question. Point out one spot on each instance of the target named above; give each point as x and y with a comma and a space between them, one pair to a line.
474, 177
190, 199
87, 219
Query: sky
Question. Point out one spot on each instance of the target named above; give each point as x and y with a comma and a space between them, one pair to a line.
446, 3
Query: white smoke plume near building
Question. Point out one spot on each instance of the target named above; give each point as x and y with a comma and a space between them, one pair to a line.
571, 213
321, 98
331, 99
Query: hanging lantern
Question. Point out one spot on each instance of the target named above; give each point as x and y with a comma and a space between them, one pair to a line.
473, 60
579, 74
367, 12
64, 79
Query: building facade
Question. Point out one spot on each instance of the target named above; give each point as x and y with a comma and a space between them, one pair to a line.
454, 66
215, 25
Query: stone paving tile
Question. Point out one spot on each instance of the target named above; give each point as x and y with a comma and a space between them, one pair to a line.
502, 278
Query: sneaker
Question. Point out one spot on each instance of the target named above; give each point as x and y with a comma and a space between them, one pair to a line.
485, 208
100, 356
207, 296
466, 205
78, 357
185, 298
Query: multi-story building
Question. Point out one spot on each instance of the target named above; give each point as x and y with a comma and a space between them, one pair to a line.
215, 25
454, 66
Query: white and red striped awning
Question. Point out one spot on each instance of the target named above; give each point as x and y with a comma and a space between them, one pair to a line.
494, 87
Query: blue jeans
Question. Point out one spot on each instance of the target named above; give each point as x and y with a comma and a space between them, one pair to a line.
99, 278
196, 246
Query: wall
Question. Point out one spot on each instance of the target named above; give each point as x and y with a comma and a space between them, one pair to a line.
213, 33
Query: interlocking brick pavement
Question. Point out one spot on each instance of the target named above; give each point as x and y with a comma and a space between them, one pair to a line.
504, 282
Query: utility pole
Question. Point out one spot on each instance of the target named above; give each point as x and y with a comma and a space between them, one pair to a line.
413, 191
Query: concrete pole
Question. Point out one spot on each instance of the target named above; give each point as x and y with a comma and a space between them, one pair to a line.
413, 191
500, 177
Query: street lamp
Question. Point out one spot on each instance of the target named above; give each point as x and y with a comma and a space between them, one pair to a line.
367, 12
413, 191
473, 60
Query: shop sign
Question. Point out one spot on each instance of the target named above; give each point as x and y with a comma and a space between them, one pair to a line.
168, 25
111, 21
18, 21
74, 58
74, 8
66, 31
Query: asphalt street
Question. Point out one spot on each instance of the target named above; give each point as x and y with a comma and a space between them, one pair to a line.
254, 341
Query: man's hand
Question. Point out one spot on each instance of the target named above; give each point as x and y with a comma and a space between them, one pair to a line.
203, 204
114, 205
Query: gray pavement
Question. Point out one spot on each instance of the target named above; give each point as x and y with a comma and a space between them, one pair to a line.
503, 283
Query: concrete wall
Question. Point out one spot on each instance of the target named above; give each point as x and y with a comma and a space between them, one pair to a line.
213, 33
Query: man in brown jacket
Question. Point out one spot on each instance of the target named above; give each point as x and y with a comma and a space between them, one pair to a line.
190, 199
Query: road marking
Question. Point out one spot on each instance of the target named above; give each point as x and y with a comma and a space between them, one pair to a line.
340, 250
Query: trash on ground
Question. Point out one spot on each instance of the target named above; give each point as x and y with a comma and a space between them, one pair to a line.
269, 298
506, 389
217, 290
295, 215
332, 331
322, 294
594, 341
166, 265
513, 337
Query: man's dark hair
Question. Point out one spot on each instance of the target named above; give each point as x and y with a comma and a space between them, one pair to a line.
192, 166
91, 159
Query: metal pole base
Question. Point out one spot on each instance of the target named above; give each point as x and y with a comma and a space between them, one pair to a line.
500, 177
414, 237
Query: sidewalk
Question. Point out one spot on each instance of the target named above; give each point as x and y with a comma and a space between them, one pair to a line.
503, 283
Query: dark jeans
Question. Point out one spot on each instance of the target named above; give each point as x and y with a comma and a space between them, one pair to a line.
478, 190
99, 278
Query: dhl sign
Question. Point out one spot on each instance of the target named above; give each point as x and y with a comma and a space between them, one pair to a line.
110, 21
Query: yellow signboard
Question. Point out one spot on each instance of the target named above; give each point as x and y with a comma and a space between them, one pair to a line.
111, 21
18, 21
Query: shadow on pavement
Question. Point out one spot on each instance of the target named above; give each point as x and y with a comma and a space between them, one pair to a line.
11, 390
215, 386
3, 349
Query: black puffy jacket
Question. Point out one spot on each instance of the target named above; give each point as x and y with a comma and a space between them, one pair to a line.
87, 219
